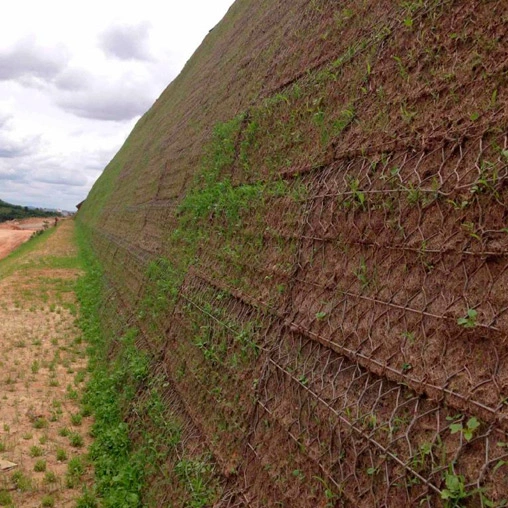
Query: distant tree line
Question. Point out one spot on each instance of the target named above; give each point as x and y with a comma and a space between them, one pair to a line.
11, 212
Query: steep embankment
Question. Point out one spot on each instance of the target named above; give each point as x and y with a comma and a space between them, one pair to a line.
306, 234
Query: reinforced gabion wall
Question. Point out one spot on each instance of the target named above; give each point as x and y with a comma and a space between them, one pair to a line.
309, 228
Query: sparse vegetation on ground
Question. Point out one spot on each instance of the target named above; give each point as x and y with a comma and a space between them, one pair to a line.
38, 345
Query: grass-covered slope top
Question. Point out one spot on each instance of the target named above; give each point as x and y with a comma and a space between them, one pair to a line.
306, 238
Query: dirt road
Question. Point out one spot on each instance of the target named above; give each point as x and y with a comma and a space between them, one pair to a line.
14, 233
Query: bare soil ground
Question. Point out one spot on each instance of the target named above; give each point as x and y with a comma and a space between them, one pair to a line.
14, 233
42, 372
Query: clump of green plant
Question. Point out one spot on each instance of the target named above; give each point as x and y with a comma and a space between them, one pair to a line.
469, 320
455, 493
40, 423
21, 481
5, 498
467, 430
61, 455
50, 477
197, 477
40, 466
77, 419
48, 501
64, 432
36, 451
35, 367
76, 440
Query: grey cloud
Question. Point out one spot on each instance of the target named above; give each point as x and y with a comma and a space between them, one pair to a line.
48, 179
11, 175
61, 178
28, 62
13, 148
5, 118
111, 104
126, 42
11, 152
72, 80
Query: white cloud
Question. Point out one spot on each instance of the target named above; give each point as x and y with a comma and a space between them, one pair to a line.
74, 78
26, 59
127, 42
112, 101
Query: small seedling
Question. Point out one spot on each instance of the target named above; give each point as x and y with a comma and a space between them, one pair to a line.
298, 474
455, 490
469, 321
467, 431
406, 367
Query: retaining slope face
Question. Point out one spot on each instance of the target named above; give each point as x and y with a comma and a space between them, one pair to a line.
309, 231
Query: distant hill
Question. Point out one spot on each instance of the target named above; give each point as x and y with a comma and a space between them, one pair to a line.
11, 212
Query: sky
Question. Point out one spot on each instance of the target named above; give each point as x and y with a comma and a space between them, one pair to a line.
74, 79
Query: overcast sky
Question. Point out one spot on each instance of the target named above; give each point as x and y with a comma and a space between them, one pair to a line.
74, 79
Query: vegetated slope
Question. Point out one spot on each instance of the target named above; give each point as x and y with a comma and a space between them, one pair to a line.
308, 232
10, 212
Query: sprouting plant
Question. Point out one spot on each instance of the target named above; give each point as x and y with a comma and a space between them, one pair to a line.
362, 274
469, 321
402, 70
321, 315
297, 473
469, 228
455, 490
413, 194
468, 431
330, 496
458, 204
406, 367
345, 117
407, 113
358, 195
408, 22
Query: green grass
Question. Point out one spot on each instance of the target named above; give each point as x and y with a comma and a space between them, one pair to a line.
12, 262
121, 466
